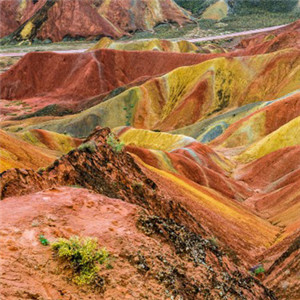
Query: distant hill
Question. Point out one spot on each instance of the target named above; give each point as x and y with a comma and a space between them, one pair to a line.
64, 19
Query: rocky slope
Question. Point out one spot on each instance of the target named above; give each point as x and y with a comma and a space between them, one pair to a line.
79, 81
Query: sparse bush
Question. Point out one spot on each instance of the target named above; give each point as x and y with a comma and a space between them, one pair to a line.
89, 146
83, 256
137, 185
116, 145
214, 241
41, 170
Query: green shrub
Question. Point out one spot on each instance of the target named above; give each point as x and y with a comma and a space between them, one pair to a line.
116, 145
82, 256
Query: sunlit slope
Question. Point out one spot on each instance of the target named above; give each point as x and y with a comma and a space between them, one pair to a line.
189, 94
210, 128
33, 149
15, 153
147, 45
287, 135
49, 140
259, 124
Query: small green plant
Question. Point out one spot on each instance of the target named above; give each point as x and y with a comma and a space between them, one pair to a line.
43, 240
259, 270
88, 146
82, 256
116, 145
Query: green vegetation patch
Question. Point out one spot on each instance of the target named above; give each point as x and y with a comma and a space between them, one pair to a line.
83, 256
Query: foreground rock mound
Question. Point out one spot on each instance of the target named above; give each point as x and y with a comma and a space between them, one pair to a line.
96, 166
151, 257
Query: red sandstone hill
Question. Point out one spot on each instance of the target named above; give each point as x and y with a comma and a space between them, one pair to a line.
78, 81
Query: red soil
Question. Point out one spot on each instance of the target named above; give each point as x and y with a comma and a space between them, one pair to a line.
119, 176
